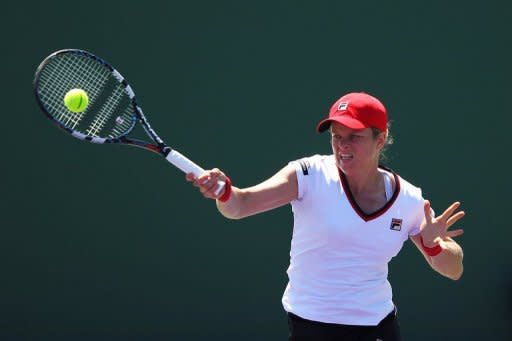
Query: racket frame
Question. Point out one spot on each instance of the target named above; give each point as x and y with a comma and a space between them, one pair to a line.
159, 146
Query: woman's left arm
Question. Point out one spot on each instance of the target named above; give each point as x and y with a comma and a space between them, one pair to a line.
436, 244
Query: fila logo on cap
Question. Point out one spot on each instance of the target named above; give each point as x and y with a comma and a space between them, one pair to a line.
343, 106
396, 224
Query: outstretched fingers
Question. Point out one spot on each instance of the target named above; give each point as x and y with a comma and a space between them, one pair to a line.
454, 218
449, 211
451, 218
428, 210
454, 233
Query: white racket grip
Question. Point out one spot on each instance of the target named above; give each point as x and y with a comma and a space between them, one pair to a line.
186, 165
183, 163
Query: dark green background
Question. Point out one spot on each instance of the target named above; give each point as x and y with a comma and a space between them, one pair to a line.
110, 243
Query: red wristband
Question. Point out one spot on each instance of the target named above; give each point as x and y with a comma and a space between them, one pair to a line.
227, 191
431, 251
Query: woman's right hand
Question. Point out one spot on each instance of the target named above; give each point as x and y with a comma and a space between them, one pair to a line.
207, 182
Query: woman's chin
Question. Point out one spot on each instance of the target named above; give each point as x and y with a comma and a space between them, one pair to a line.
345, 165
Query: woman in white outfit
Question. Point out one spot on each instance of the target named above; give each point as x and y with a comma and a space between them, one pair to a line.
351, 216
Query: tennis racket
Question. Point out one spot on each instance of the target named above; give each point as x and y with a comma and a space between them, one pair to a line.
112, 112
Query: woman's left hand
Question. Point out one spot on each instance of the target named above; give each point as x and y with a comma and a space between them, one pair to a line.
435, 229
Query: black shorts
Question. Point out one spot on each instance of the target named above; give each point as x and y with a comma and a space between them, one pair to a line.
307, 330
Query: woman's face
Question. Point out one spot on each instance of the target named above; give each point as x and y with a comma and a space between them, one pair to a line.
355, 150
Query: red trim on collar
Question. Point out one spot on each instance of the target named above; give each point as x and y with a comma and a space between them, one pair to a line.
355, 206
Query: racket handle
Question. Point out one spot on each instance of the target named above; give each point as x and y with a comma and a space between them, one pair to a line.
186, 165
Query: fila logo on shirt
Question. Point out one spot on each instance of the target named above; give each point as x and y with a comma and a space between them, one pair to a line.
396, 224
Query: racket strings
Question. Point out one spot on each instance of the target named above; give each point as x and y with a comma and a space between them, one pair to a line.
105, 112
109, 113
65, 73
122, 124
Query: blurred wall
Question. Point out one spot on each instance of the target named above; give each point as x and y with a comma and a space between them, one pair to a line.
110, 243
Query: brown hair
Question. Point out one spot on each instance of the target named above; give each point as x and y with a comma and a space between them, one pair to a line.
389, 141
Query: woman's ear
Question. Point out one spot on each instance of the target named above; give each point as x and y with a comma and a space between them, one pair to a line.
381, 139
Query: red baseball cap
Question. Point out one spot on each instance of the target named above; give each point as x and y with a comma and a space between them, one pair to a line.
356, 110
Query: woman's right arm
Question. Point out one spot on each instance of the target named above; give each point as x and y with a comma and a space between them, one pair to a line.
278, 190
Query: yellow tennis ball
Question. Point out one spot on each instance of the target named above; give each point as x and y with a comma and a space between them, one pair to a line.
76, 100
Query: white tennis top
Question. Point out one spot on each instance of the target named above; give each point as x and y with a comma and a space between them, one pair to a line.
339, 255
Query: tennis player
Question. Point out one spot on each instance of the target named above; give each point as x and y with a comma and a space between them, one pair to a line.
351, 217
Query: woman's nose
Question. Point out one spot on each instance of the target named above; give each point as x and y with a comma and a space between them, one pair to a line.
342, 144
